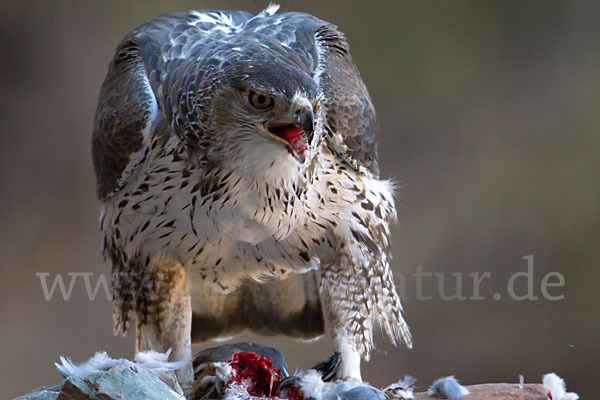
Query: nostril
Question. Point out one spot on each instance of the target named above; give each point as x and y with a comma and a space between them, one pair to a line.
304, 109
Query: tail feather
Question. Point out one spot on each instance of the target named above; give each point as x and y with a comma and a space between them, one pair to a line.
289, 306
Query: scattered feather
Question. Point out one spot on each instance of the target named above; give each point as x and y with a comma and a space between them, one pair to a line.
311, 383
557, 390
447, 388
312, 386
402, 390
151, 361
271, 9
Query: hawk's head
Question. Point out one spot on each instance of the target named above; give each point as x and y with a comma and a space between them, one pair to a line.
266, 118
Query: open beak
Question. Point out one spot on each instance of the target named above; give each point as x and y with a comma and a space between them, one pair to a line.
296, 130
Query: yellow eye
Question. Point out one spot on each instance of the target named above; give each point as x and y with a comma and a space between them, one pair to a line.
260, 101
317, 106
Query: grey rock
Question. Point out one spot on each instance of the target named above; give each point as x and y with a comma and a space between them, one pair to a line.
116, 384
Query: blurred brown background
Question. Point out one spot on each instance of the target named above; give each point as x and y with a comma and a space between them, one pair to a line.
490, 121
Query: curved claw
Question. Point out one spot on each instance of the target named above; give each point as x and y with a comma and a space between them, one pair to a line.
328, 367
287, 382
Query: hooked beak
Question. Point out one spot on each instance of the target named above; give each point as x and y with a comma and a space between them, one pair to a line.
303, 113
296, 131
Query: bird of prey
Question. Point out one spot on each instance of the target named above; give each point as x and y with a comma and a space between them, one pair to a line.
236, 165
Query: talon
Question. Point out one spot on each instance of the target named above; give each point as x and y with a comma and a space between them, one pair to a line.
328, 368
287, 382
